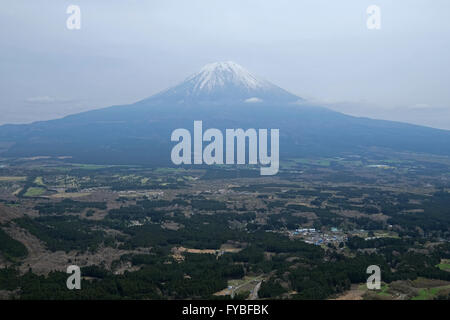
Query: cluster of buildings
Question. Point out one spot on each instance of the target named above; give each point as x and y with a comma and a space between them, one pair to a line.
317, 237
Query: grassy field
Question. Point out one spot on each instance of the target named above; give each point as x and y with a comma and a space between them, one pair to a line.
6, 178
444, 265
386, 234
90, 166
39, 181
426, 294
383, 291
34, 192
316, 162
169, 170
70, 195
429, 293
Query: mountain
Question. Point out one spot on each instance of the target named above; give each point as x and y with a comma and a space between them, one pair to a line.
222, 95
224, 82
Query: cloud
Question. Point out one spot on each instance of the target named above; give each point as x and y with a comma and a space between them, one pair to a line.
47, 100
253, 100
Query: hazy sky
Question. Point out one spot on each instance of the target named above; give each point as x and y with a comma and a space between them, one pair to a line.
320, 50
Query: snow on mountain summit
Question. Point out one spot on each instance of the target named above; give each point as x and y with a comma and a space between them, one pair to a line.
219, 74
224, 82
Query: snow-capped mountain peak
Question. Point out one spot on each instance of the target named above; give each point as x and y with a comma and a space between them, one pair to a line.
224, 82
220, 74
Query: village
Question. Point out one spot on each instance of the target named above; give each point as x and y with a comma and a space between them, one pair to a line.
318, 237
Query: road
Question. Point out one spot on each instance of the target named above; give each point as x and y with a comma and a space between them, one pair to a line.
255, 289
254, 293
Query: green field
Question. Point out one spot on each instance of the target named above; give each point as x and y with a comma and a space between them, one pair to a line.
39, 181
34, 192
383, 290
7, 178
426, 294
444, 265
91, 166
429, 293
169, 170
316, 162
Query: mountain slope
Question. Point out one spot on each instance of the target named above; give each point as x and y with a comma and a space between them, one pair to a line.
222, 95
221, 82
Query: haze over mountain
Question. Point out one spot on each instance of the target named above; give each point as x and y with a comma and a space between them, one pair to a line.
222, 95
